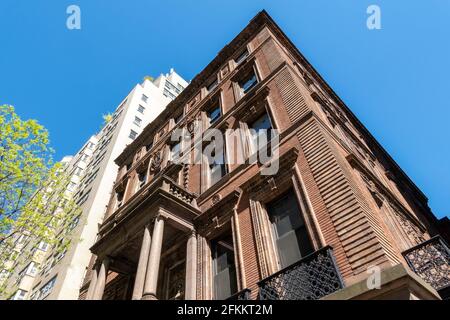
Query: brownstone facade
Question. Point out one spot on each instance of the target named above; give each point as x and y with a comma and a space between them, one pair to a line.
167, 225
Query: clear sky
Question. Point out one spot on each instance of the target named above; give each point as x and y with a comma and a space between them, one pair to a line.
394, 79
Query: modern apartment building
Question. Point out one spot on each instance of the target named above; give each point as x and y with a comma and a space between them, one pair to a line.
30, 254
337, 211
60, 274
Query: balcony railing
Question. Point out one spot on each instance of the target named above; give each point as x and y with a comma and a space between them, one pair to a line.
430, 260
311, 278
241, 295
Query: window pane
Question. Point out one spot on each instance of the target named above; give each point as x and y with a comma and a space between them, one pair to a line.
292, 237
248, 83
214, 114
212, 85
242, 57
175, 150
261, 127
225, 280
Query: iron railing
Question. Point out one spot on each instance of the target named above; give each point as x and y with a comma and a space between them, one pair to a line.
430, 260
241, 295
311, 278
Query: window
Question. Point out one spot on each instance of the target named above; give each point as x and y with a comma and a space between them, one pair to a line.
19, 295
216, 166
71, 186
141, 109
168, 94
212, 85
260, 131
248, 82
178, 118
47, 288
292, 239
224, 270
214, 113
21, 239
175, 151
119, 199
142, 179
242, 57
78, 171
31, 269
43, 246
133, 134
137, 121
149, 146
144, 98
60, 255
3, 275
73, 224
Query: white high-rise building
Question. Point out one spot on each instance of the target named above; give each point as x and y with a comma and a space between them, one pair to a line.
60, 274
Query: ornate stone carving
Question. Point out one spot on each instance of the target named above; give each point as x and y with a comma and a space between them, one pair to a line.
216, 198
378, 197
156, 162
409, 227
192, 126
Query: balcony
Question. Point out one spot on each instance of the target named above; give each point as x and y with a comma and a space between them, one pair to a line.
241, 295
430, 260
311, 278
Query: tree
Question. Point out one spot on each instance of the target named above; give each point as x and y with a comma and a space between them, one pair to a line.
107, 118
34, 200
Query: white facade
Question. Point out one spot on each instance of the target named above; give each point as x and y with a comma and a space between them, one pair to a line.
92, 192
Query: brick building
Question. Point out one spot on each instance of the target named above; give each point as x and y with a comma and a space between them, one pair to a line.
338, 205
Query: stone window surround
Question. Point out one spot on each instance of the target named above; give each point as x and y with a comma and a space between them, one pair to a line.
267, 189
222, 214
244, 69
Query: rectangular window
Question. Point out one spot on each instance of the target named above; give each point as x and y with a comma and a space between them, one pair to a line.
212, 85
78, 171
175, 151
224, 269
47, 288
148, 146
144, 98
137, 121
216, 166
19, 295
31, 269
178, 118
119, 197
141, 109
248, 82
71, 186
292, 239
214, 113
242, 57
142, 179
43, 246
133, 134
260, 131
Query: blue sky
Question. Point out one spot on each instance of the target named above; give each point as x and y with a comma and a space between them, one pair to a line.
394, 79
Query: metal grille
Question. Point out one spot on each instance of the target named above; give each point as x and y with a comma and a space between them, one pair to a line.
431, 261
311, 278
241, 295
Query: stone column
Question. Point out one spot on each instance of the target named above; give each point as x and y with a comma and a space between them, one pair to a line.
101, 280
191, 268
151, 278
92, 284
142, 265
